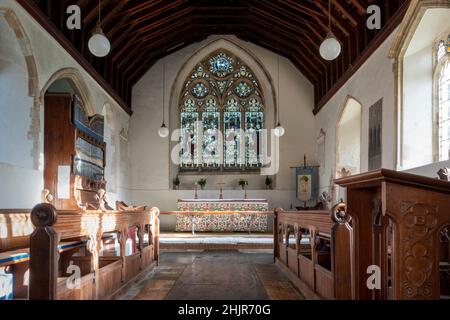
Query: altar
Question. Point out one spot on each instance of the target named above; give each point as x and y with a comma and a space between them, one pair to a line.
222, 215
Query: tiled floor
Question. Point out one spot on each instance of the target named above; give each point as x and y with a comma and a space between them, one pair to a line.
214, 275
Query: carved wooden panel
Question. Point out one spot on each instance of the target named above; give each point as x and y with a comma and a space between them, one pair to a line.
420, 221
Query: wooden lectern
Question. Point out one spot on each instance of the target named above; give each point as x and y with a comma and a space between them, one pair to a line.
396, 221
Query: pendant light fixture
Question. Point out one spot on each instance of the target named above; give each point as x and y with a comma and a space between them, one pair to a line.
279, 130
163, 130
330, 48
99, 44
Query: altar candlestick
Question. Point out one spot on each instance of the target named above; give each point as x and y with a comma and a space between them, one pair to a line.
221, 189
195, 188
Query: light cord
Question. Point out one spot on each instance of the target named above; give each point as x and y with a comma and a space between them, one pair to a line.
329, 14
278, 74
99, 11
164, 83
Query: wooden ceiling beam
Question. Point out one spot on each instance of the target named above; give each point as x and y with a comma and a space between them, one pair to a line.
93, 14
358, 6
139, 30
313, 55
322, 22
154, 13
345, 11
291, 53
334, 20
149, 61
285, 24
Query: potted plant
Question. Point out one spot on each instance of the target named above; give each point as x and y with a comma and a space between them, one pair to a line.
243, 183
268, 182
202, 183
176, 183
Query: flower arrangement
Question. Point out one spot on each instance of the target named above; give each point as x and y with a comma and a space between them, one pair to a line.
243, 183
202, 183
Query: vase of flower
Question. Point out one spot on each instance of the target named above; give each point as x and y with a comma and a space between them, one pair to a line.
202, 183
243, 183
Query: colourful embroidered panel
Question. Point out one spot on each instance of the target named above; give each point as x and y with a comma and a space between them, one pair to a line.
228, 216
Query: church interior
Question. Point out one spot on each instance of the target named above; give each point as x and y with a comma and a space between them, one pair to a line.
225, 150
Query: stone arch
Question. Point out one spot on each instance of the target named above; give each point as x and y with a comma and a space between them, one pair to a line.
348, 136
76, 79
251, 60
32, 81
410, 23
26, 48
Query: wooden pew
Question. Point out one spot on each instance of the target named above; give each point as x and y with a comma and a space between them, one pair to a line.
400, 223
389, 241
47, 254
299, 239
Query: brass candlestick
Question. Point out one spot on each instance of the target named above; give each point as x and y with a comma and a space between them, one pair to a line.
195, 191
221, 189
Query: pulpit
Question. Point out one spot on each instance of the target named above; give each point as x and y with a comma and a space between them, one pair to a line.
230, 215
399, 223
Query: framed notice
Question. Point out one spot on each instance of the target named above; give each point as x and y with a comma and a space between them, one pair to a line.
63, 186
307, 183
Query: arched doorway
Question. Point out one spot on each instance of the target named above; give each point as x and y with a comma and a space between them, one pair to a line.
74, 147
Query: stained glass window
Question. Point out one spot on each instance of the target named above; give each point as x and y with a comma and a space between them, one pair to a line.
188, 126
221, 115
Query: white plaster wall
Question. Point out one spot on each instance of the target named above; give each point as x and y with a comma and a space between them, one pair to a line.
372, 82
21, 179
418, 109
150, 162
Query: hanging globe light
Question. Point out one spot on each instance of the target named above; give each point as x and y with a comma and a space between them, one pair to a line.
163, 131
279, 130
99, 44
330, 48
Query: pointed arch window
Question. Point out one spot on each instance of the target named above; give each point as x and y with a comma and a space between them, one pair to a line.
221, 115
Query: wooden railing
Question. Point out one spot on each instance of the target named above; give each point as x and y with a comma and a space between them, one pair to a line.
48, 258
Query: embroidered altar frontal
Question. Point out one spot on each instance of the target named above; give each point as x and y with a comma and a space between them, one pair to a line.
222, 215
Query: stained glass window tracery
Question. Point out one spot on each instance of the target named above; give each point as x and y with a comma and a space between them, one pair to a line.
222, 101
